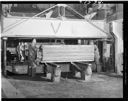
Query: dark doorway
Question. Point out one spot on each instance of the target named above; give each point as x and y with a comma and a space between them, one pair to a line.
109, 65
100, 47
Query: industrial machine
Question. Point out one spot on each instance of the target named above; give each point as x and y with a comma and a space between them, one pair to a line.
62, 35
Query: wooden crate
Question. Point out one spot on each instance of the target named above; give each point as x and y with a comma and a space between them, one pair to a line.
68, 53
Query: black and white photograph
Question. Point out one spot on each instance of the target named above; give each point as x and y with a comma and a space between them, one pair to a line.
61, 49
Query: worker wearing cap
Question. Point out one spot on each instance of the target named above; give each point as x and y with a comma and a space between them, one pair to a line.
32, 56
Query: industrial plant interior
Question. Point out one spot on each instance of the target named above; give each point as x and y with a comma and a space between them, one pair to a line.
79, 39
17, 47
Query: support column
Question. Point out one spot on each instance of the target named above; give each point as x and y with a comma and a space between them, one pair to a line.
5, 56
104, 58
75, 70
85, 42
86, 73
79, 41
45, 70
72, 71
56, 74
84, 69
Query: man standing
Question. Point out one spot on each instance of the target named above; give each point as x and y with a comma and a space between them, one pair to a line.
18, 51
96, 56
32, 56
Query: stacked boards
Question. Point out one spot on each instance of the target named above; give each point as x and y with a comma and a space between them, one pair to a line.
67, 53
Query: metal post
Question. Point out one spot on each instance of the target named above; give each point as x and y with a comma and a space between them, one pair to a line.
2, 21
79, 41
56, 74
86, 71
104, 58
76, 69
5, 56
45, 69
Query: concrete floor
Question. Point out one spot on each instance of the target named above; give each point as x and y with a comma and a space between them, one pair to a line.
100, 86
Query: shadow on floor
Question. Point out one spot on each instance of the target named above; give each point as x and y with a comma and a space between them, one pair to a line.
111, 74
39, 76
69, 75
42, 77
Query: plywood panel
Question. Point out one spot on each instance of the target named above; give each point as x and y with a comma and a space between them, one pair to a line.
68, 53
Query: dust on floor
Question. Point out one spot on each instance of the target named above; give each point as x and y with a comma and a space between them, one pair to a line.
100, 86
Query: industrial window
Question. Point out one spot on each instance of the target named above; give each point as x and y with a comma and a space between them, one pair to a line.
71, 14
70, 41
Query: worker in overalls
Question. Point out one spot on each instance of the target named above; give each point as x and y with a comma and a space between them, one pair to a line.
20, 52
26, 50
96, 56
32, 56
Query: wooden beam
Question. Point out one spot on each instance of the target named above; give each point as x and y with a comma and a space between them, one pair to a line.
82, 65
78, 68
85, 70
67, 53
56, 74
45, 69
53, 64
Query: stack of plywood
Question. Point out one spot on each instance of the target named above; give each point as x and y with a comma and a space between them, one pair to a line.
67, 53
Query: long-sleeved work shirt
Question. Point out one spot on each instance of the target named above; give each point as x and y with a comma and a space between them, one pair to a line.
32, 54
